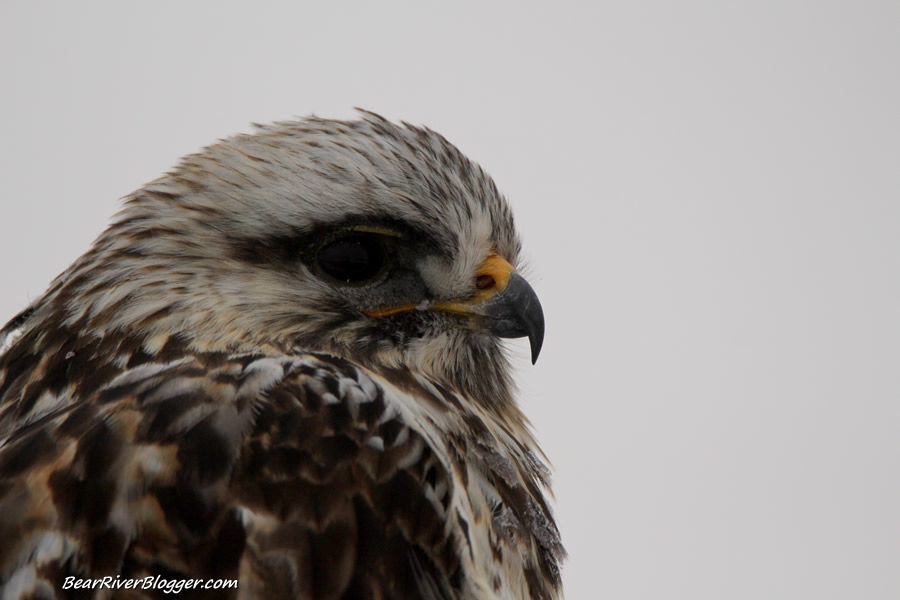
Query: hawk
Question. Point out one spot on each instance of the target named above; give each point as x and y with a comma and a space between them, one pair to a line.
282, 364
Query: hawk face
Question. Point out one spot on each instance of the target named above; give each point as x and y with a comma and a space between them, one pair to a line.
163, 400
372, 241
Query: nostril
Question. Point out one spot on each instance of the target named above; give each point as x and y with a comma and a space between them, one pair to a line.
485, 282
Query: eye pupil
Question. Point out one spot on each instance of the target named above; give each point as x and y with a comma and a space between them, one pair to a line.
352, 259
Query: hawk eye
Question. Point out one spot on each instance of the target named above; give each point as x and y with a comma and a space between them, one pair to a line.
355, 258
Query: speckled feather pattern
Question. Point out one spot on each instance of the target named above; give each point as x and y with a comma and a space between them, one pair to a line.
190, 399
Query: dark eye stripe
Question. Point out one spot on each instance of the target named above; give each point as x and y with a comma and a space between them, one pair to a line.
355, 258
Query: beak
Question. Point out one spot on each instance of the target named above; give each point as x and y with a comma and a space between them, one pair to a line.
505, 305
516, 312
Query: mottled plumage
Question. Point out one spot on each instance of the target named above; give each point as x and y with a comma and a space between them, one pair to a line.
204, 394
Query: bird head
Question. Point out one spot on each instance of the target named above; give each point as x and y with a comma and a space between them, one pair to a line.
377, 242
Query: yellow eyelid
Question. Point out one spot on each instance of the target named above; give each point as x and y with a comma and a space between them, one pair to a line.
376, 230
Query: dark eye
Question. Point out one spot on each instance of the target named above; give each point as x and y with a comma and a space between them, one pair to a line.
352, 259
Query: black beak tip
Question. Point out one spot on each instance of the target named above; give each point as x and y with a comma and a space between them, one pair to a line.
537, 341
536, 335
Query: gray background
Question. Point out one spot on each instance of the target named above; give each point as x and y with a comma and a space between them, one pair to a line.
709, 194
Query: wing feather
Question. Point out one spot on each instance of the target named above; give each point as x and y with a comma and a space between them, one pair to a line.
289, 474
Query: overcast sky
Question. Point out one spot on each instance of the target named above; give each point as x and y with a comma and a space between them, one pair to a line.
709, 196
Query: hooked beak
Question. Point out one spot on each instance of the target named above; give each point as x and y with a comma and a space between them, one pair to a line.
505, 305
516, 312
